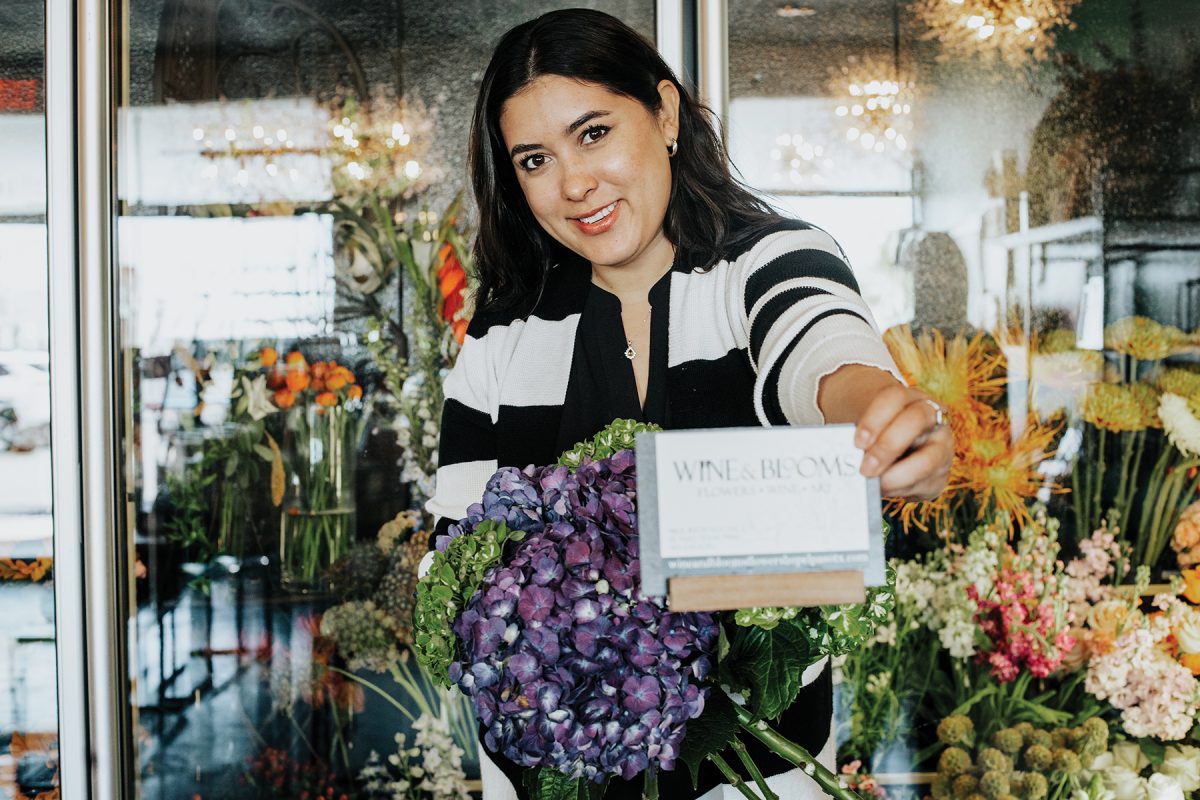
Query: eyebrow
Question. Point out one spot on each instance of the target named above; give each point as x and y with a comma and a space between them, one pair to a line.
582, 120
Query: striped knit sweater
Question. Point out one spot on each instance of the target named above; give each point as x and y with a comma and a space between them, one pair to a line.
747, 343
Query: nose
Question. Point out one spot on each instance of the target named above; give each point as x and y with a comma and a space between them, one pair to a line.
577, 180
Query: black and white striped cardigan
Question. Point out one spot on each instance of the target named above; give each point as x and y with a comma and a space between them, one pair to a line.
749, 341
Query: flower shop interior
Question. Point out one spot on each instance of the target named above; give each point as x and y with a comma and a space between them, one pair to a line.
236, 266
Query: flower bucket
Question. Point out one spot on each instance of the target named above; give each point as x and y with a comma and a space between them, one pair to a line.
317, 525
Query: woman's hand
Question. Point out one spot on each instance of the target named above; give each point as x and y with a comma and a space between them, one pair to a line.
905, 443
897, 428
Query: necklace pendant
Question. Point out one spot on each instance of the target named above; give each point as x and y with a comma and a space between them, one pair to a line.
630, 353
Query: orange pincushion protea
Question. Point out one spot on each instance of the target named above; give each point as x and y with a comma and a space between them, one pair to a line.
268, 357
996, 473
961, 375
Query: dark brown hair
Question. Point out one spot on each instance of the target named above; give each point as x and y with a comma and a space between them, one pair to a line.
709, 211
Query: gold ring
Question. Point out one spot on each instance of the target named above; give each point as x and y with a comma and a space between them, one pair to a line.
939, 413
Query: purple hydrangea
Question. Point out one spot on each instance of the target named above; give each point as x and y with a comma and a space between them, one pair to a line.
569, 665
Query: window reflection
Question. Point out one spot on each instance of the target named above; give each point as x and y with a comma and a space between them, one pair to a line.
28, 680
293, 252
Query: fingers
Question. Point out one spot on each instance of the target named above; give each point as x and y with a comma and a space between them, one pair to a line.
922, 474
879, 414
902, 430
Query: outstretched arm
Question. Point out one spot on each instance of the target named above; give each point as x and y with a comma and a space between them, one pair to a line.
896, 428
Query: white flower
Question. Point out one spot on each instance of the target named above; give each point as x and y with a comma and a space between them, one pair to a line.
1182, 762
1124, 783
1129, 755
1187, 631
1180, 425
1163, 787
258, 397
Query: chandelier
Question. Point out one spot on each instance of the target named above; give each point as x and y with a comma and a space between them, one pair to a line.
876, 103
800, 160
376, 145
1013, 31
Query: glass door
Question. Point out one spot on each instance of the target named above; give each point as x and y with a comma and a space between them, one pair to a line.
28, 684
292, 245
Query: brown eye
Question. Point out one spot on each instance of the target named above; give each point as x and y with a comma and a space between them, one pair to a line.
594, 133
530, 163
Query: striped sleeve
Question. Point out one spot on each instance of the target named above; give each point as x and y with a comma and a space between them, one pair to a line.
467, 449
805, 318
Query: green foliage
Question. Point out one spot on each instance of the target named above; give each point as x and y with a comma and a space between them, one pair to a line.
620, 434
711, 733
768, 665
453, 579
549, 784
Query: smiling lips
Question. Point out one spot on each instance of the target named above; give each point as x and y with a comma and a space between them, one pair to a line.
599, 220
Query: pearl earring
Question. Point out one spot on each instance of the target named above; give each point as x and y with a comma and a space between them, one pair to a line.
672, 148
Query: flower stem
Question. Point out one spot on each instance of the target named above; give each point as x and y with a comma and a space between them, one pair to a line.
796, 754
650, 785
753, 769
735, 780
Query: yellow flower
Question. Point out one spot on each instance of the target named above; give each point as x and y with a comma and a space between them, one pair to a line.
1142, 338
958, 374
1115, 407
1182, 382
1056, 341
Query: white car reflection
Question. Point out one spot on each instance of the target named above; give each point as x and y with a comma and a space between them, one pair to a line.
24, 399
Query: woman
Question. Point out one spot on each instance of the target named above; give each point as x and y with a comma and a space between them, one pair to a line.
625, 273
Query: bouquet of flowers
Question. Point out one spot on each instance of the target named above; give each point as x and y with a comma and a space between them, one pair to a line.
532, 606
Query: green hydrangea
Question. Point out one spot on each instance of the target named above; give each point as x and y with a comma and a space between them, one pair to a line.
453, 579
993, 784
964, 786
1095, 731
1008, 741
620, 434
1066, 761
1025, 729
1041, 738
765, 618
954, 761
939, 787
1035, 786
955, 729
992, 760
1038, 757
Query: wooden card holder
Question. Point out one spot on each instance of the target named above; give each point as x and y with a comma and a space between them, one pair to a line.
764, 590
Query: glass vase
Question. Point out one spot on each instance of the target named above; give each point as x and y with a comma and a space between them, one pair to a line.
317, 525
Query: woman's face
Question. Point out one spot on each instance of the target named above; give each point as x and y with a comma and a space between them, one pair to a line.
594, 167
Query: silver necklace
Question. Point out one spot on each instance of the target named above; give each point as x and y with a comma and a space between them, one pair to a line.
630, 352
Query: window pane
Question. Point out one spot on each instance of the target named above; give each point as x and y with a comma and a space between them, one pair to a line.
1021, 179
285, 172
28, 687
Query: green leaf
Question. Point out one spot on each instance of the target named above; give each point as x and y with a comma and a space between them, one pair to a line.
710, 733
1154, 750
550, 784
770, 664
231, 466
264, 453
